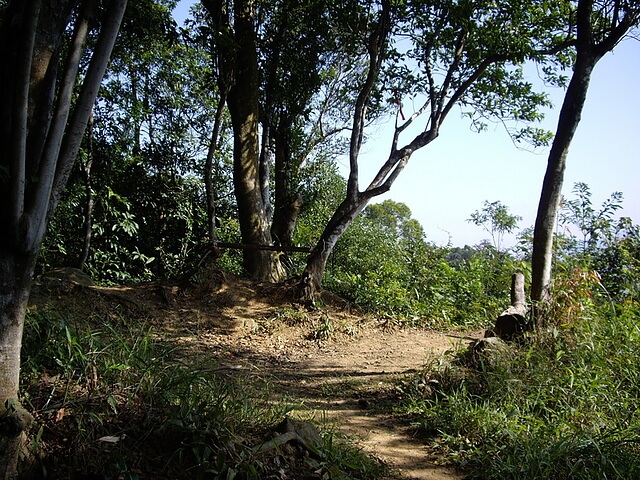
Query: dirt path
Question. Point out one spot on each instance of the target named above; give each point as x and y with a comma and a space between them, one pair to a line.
336, 364
344, 382
347, 382
341, 378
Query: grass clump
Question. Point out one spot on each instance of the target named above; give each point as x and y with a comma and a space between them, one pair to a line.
565, 405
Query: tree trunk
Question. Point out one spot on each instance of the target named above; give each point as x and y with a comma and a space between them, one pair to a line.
311, 279
588, 52
551, 195
264, 170
89, 198
244, 109
37, 169
513, 323
16, 269
288, 202
355, 201
285, 217
209, 171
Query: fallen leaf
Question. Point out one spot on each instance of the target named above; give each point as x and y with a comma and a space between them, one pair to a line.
60, 415
110, 439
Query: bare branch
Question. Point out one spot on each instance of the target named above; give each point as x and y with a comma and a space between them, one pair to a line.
376, 48
446, 84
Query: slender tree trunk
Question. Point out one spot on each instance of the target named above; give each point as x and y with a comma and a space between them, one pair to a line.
355, 201
209, 173
589, 50
18, 248
288, 202
89, 198
311, 279
551, 195
264, 170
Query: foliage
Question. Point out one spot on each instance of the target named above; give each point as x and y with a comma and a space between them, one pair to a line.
597, 239
157, 234
561, 406
618, 263
152, 123
383, 263
594, 226
471, 53
496, 220
155, 114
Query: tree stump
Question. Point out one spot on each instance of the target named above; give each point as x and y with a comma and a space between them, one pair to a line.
513, 323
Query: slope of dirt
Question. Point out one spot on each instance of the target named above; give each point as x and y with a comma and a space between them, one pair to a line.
334, 363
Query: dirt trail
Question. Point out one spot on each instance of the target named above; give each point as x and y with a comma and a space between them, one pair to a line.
342, 378
338, 365
344, 381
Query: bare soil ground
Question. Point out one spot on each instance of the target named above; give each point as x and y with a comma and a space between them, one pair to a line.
336, 364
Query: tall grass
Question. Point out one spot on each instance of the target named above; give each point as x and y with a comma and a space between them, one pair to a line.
565, 405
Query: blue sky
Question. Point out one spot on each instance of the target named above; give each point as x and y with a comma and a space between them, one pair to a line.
449, 179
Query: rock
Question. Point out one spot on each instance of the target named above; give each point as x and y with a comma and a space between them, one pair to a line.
297, 432
484, 351
307, 432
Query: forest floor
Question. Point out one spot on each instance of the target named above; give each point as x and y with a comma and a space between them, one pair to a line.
336, 365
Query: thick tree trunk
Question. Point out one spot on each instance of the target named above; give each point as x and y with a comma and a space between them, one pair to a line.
16, 269
254, 227
244, 109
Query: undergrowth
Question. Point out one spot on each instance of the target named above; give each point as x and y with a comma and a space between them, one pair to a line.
563, 405
116, 400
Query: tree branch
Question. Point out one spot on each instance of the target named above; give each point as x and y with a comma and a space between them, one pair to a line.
376, 48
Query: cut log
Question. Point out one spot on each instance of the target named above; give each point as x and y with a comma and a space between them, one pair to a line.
513, 322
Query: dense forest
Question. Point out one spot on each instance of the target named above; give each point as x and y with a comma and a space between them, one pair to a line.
139, 152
